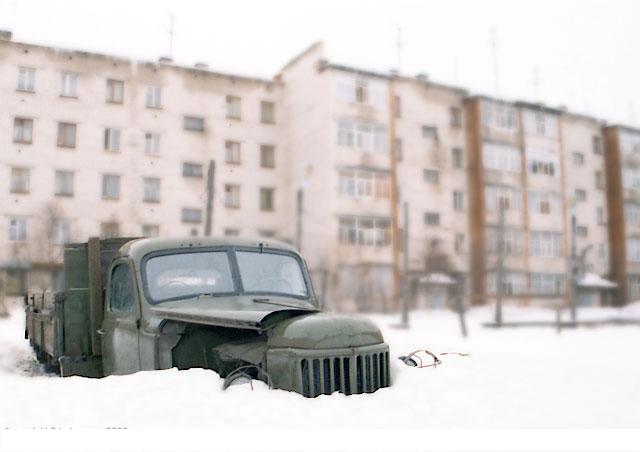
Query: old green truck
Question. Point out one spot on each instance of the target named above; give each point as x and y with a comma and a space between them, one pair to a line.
228, 305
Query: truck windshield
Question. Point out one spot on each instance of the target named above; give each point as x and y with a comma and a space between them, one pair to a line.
188, 274
271, 273
181, 275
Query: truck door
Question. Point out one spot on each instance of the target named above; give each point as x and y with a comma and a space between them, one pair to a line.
120, 349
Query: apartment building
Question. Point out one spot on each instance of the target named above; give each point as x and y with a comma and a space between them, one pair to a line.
98, 145
622, 150
350, 133
536, 181
388, 184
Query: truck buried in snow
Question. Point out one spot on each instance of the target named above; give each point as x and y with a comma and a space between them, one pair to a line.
233, 306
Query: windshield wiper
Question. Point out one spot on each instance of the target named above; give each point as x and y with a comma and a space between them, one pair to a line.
278, 303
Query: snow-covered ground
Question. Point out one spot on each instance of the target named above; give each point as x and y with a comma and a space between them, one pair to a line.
525, 377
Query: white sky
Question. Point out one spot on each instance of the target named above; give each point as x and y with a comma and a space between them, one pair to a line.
587, 53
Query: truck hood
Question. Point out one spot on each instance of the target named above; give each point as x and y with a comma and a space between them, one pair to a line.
324, 331
242, 312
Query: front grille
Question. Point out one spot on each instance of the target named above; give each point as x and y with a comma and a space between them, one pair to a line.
348, 374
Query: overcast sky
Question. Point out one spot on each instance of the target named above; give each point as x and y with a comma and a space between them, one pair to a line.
586, 53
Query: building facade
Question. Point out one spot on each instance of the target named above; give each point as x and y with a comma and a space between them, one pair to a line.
388, 184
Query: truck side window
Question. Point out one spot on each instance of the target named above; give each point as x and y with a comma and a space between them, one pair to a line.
121, 289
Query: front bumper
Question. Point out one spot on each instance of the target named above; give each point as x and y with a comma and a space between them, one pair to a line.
310, 372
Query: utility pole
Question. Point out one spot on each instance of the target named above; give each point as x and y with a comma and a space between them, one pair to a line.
405, 285
210, 191
574, 269
299, 212
395, 249
500, 266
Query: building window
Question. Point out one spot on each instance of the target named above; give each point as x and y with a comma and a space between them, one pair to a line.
150, 230
578, 158
432, 218
599, 175
431, 176
267, 156
267, 201
153, 98
194, 123
602, 252
364, 231
191, 169
232, 196
191, 215
632, 213
110, 186
152, 143
66, 135
513, 283
430, 132
500, 116
455, 117
398, 144
111, 139
582, 231
361, 91
23, 130
501, 158
233, 107
596, 143
69, 85
61, 232
511, 239
20, 180
267, 112
26, 79
17, 229
458, 201
601, 216
502, 197
547, 284
541, 128
362, 135
460, 244
542, 162
457, 157
544, 202
151, 190
64, 183
633, 250
109, 230
397, 106
266, 233
364, 183
546, 244
229, 232
115, 91
631, 178
232, 152
580, 195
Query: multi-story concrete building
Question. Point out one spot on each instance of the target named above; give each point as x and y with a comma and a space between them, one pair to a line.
537, 187
93, 144
351, 133
370, 174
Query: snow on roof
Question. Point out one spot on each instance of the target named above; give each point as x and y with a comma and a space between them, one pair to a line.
437, 278
593, 281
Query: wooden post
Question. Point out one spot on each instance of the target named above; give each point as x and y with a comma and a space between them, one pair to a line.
395, 246
210, 191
